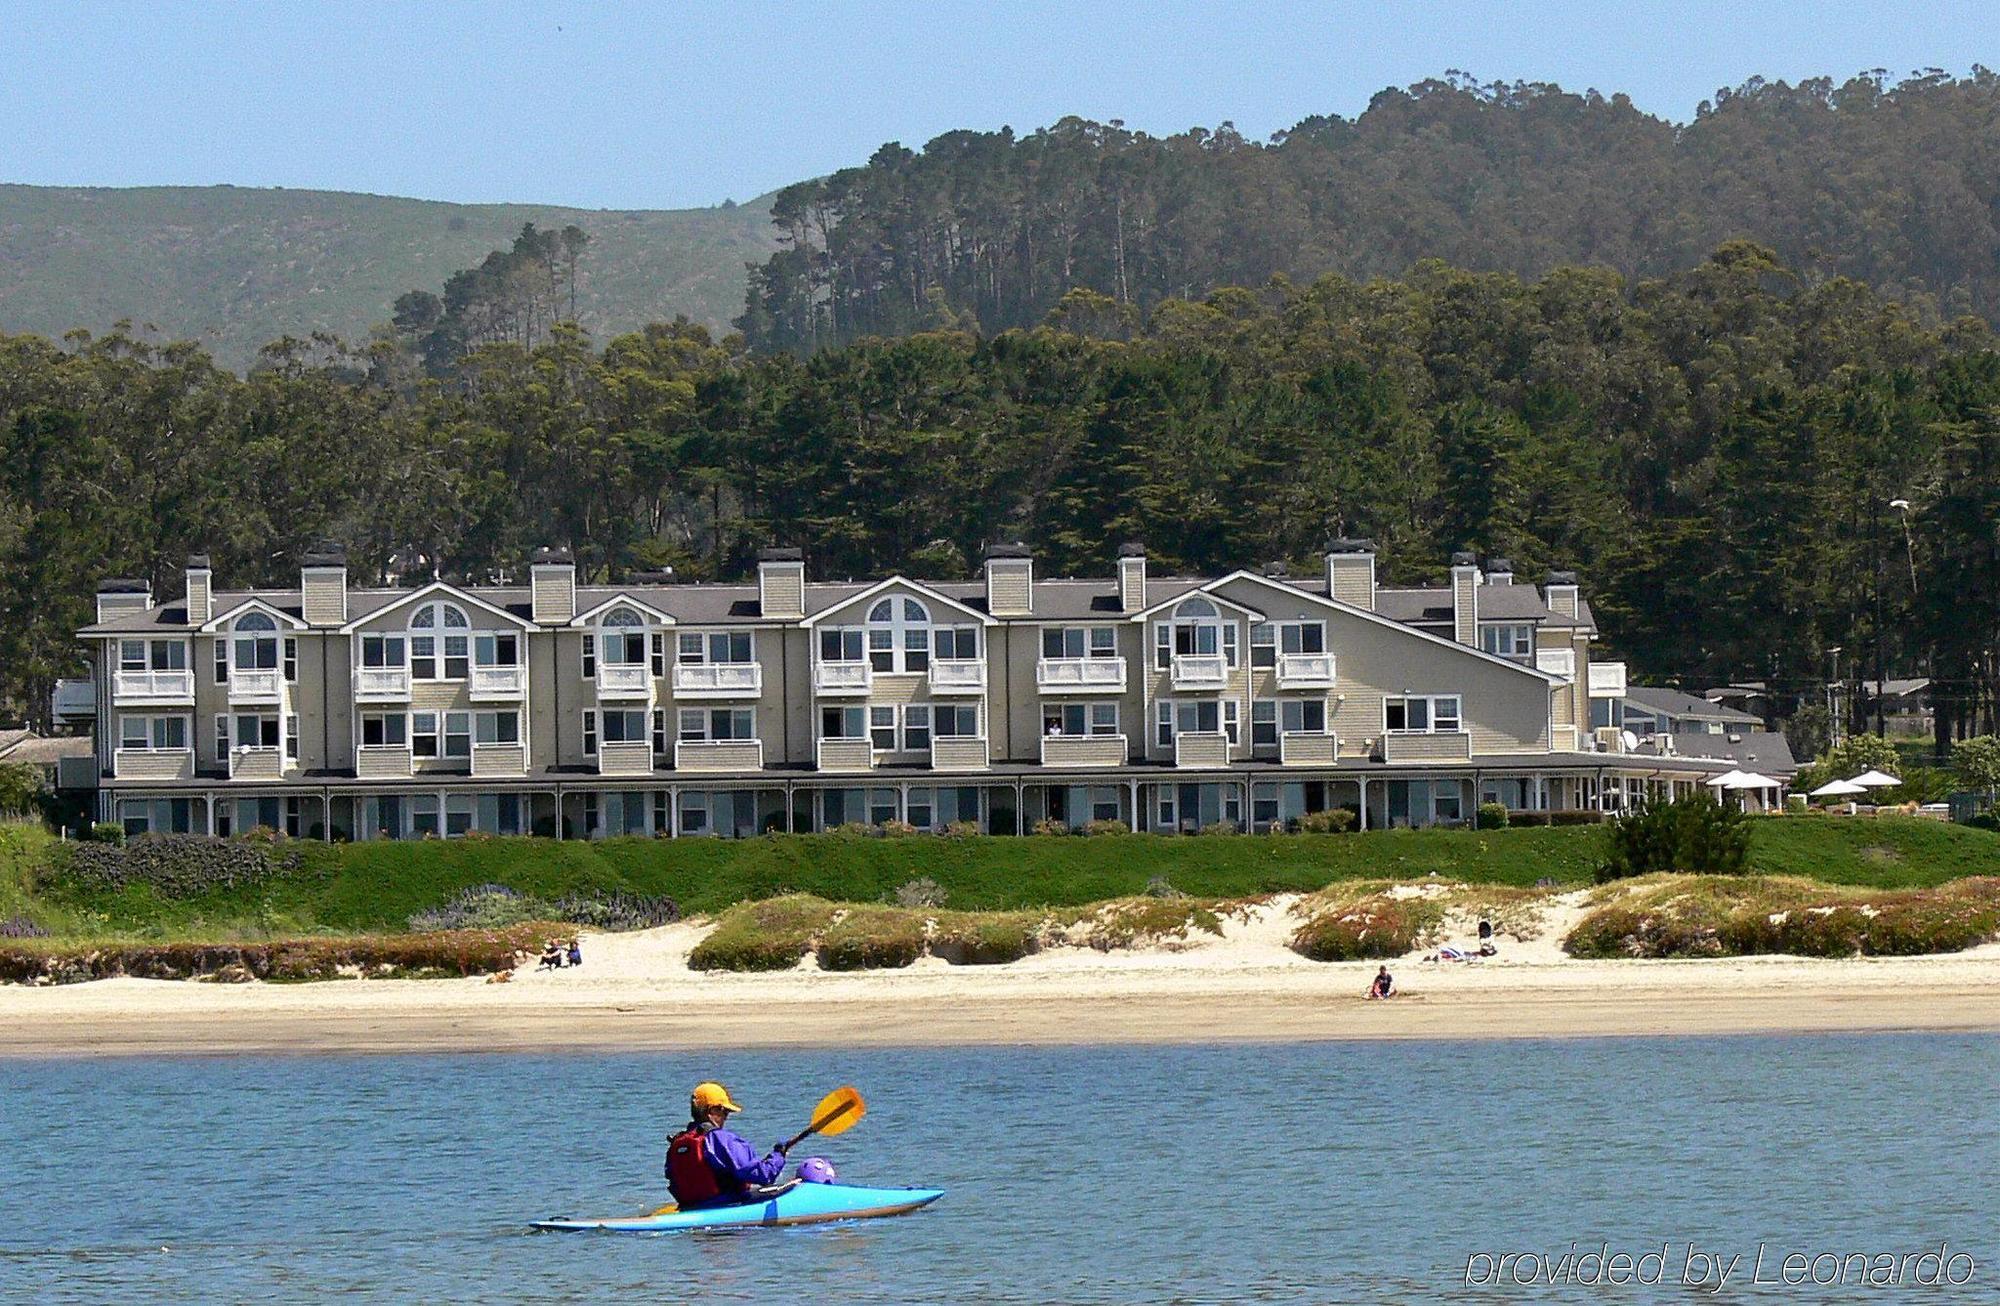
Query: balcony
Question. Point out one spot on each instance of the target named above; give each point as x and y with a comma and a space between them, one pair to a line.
1201, 747
1438, 746
959, 753
1200, 671
1083, 750
956, 676
625, 757
846, 755
153, 764
1564, 739
624, 680
382, 685
73, 699
1071, 675
498, 684
718, 679
710, 755
1607, 680
840, 677
256, 763
500, 759
143, 688
383, 762
1556, 662
1305, 671
246, 686
1308, 748
1608, 739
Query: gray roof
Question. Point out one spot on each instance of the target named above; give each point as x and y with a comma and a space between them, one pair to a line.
1764, 751
1432, 605
1673, 703
44, 751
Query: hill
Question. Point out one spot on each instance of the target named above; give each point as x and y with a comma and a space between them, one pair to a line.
237, 268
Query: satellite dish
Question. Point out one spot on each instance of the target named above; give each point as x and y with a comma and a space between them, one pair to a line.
1630, 740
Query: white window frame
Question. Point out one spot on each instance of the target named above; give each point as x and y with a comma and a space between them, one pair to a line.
487, 721
441, 633
1096, 719
1432, 717
881, 723
150, 728
907, 637
402, 727
955, 710
1519, 637
916, 728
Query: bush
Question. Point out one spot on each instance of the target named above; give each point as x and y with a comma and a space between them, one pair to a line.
1576, 816
1334, 820
770, 935
20, 927
1220, 827
855, 830
1696, 834
1536, 819
449, 953
897, 829
107, 832
986, 938
1763, 915
1049, 825
173, 865
1161, 887
865, 939
921, 892
1106, 827
1373, 927
961, 830
1492, 816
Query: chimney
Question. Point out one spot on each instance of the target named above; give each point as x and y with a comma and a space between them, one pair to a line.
1499, 571
200, 589
1350, 572
123, 595
1561, 593
1465, 598
552, 587
323, 585
1131, 577
781, 583
1010, 580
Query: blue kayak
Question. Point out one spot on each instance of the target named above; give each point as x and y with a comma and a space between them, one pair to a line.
799, 1204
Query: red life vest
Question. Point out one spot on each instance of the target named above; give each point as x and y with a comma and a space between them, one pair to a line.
690, 1177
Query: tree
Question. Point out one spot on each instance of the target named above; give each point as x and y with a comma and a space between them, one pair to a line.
1976, 763
20, 786
1696, 835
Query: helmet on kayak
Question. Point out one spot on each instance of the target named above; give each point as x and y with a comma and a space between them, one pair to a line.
710, 1094
817, 1170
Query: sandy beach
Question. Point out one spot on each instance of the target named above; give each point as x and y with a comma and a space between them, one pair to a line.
636, 992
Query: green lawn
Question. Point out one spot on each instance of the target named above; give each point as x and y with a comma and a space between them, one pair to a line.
376, 886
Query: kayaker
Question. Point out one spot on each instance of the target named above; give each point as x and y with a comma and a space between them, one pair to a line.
711, 1165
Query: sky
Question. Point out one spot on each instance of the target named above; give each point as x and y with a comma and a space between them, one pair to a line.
626, 106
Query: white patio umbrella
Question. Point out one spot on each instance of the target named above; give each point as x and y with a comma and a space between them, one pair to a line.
1874, 780
1745, 781
1727, 780
1839, 789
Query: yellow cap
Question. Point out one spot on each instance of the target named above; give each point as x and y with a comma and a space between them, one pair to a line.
712, 1094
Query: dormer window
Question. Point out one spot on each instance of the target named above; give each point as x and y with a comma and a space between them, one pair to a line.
899, 635
621, 639
1196, 629
425, 642
255, 647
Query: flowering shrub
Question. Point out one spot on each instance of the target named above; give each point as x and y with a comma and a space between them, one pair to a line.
921, 892
1049, 825
20, 927
447, 953
175, 865
1106, 827
495, 906
1334, 820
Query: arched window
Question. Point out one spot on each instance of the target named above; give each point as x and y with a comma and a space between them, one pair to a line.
621, 637
425, 660
899, 635
256, 644
1195, 630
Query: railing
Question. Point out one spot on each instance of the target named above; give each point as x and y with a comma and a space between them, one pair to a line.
718, 679
624, 680
840, 677
625, 757
1607, 680
846, 755
1201, 748
152, 686
1305, 671
383, 761
500, 759
1200, 671
260, 762
153, 764
1609, 739
959, 753
1083, 750
958, 676
254, 686
719, 755
1557, 662
1057, 675
498, 684
73, 698
1564, 739
1307, 748
1440, 746
382, 684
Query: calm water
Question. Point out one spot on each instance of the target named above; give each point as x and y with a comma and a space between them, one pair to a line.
1333, 1172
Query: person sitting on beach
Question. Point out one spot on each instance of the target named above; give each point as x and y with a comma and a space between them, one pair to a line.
1486, 948
1383, 985
551, 956
576, 952
709, 1164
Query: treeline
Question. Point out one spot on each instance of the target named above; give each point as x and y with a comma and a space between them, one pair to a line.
1893, 184
1717, 452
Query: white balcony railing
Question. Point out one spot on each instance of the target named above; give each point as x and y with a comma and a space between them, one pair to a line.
624, 680
152, 687
1308, 748
958, 676
1563, 739
718, 679
153, 764
1305, 671
712, 755
1556, 662
1607, 680
498, 684
382, 684
959, 753
1061, 675
383, 762
1200, 671
1083, 750
846, 755
246, 686
1201, 748
840, 677
625, 757
256, 763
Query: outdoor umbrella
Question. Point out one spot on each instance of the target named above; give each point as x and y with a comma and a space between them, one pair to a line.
1749, 780
1839, 789
1874, 780
1727, 780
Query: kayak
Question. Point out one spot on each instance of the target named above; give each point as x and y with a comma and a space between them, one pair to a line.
799, 1204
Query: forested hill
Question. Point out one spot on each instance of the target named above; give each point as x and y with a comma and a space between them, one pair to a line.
236, 268
1892, 184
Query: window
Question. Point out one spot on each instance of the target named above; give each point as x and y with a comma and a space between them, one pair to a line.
457, 814
256, 730
842, 723
131, 655
501, 727
457, 666
1303, 716
1263, 715
694, 813
1447, 804
292, 738
1103, 800
1515, 641
916, 729
589, 733
660, 731
384, 729
899, 635
881, 806
497, 649
919, 809
1270, 638
1413, 714
383, 650
221, 736
153, 732
291, 660
659, 653
700, 725
424, 816
589, 657
1079, 718
621, 639
1079, 642
956, 720
882, 728
457, 734
1263, 650
430, 618
423, 657
840, 645
255, 647
1196, 629
1263, 800
626, 726
423, 734
221, 661
957, 643
1194, 716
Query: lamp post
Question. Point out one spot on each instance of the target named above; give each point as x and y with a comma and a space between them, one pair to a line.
1832, 696
1909, 541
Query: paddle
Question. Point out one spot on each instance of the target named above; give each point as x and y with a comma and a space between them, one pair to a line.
837, 1112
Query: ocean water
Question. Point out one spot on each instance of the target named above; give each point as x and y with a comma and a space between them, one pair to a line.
1325, 1172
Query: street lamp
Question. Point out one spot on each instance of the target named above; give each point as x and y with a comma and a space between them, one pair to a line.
1909, 541
1832, 699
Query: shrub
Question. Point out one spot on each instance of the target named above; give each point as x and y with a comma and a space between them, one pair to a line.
479, 907
961, 829
1049, 825
1536, 819
20, 927
1576, 816
173, 865
986, 938
1161, 887
449, 953
1106, 827
615, 911
921, 892
897, 829
769, 935
1334, 820
1674, 917
1371, 927
107, 832
1695, 834
1220, 827
1492, 816
871, 939
855, 830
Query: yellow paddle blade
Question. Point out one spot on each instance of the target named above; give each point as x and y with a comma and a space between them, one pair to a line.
668, 1209
838, 1112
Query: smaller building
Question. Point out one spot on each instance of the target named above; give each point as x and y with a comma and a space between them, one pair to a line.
1652, 710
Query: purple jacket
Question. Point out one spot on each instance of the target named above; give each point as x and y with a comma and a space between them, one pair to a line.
730, 1156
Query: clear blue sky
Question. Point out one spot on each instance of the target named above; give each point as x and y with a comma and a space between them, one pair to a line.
665, 105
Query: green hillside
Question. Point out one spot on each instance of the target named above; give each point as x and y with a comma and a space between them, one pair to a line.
237, 268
